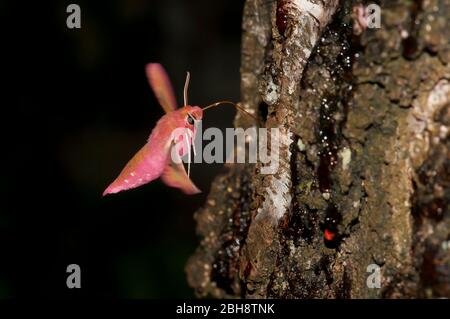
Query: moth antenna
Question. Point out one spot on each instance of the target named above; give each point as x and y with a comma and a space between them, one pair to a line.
186, 87
230, 103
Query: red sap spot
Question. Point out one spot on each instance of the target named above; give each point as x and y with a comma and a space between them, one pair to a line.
282, 17
329, 235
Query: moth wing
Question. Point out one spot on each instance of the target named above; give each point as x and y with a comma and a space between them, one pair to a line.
160, 83
175, 175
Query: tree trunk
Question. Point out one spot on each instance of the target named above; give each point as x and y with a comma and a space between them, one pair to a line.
363, 178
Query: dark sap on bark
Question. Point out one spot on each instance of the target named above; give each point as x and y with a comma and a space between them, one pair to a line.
282, 17
327, 137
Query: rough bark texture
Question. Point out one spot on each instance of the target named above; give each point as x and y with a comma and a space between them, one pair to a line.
364, 155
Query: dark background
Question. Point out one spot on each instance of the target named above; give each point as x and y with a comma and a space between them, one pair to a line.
76, 106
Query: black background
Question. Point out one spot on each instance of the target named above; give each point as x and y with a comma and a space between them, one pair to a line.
75, 108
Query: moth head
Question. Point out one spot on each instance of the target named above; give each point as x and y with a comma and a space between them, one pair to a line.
192, 114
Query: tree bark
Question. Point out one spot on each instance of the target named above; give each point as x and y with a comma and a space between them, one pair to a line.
364, 150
